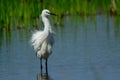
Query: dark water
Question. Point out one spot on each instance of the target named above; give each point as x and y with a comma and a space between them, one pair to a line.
86, 48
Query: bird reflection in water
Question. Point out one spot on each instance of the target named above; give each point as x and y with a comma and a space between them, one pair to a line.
43, 77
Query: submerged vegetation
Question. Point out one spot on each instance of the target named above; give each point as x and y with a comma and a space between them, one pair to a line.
25, 12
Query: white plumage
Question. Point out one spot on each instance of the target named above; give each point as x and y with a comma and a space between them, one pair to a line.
42, 41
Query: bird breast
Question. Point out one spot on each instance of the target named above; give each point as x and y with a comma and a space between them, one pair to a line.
46, 47
42, 43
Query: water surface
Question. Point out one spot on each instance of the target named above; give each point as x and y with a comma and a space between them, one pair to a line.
86, 48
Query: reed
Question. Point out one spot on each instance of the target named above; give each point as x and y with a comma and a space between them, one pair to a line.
27, 11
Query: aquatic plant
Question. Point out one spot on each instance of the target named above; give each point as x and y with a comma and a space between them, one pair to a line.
27, 11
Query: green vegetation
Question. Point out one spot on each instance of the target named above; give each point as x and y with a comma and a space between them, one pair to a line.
25, 12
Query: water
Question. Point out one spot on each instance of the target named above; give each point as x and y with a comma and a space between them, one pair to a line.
86, 48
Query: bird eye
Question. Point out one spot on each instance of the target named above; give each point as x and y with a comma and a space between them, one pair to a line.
47, 12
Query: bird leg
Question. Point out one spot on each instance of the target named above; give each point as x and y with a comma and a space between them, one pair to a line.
41, 65
46, 67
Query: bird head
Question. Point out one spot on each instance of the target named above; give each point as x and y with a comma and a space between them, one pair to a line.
46, 13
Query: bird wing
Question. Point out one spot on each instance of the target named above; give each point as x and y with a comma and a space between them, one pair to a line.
37, 39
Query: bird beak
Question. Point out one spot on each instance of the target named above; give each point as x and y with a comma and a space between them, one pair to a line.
53, 14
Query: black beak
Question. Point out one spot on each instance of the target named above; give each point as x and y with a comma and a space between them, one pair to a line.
53, 14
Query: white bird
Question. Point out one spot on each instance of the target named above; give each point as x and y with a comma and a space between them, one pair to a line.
43, 41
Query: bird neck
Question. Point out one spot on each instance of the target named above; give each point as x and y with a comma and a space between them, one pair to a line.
47, 25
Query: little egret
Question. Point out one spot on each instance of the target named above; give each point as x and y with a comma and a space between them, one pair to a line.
42, 41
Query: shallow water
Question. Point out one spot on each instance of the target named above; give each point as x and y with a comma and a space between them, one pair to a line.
86, 48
